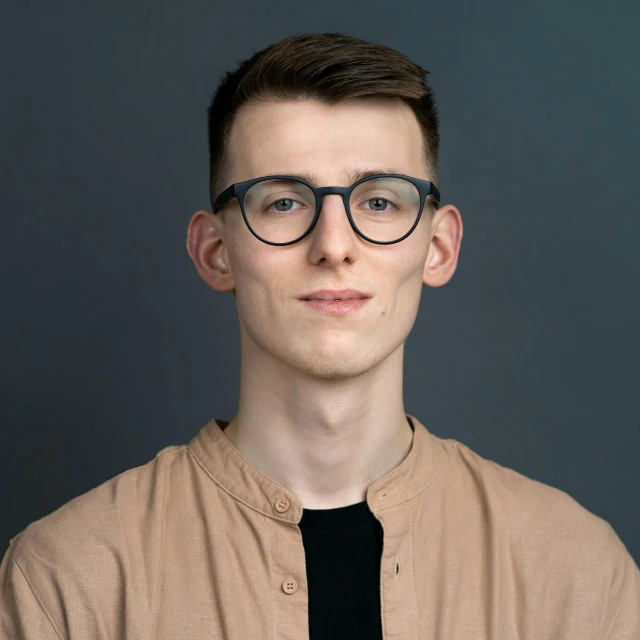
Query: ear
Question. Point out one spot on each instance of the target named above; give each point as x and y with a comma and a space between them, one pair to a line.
206, 246
446, 236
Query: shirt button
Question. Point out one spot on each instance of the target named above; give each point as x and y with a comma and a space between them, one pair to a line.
282, 505
290, 586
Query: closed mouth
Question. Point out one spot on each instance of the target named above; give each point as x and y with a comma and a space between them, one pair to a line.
332, 299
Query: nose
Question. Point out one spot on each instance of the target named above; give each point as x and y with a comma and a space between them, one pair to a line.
332, 239
333, 214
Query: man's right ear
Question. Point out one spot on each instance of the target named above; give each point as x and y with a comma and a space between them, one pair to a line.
206, 247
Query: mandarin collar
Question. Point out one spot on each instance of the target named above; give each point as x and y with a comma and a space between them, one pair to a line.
226, 466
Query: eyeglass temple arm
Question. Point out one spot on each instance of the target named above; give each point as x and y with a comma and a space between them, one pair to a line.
224, 197
433, 191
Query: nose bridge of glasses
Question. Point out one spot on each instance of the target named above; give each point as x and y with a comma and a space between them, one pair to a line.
342, 192
325, 191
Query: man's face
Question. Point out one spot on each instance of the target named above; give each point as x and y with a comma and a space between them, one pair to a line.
328, 142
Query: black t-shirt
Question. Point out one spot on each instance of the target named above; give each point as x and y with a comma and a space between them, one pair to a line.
343, 549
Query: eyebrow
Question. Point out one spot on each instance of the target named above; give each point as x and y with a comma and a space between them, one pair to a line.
353, 175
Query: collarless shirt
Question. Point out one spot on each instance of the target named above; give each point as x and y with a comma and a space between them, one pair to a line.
198, 543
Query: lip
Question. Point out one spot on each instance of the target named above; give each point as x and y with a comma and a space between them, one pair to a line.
335, 307
333, 294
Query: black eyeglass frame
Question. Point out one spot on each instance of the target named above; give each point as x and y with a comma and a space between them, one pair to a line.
239, 190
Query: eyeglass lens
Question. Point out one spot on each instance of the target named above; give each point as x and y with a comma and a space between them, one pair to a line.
383, 209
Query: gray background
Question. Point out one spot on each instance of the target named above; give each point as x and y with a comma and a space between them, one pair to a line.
112, 347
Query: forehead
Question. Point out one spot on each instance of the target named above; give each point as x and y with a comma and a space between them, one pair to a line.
327, 141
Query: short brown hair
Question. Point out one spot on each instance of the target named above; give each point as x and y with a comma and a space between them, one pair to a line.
328, 67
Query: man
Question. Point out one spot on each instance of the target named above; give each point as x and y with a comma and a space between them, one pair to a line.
322, 510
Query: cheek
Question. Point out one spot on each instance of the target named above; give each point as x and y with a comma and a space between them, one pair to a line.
408, 287
258, 279
406, 263
405, 280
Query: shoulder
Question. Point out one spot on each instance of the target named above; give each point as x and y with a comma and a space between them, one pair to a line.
93, 557
547, 538
91, 532
527, 506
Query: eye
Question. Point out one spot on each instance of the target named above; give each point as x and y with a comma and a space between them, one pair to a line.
283, 205
377, 205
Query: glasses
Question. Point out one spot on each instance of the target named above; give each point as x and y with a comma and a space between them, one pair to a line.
280, 210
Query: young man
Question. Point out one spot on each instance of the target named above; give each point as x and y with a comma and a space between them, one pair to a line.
322, 510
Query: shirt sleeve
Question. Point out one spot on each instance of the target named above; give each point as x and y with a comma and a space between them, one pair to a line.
625, 596
22, 616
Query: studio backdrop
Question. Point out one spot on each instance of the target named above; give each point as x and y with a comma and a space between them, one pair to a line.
113, 347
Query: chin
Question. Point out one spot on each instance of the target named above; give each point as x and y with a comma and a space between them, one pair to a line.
330, 371
335, 364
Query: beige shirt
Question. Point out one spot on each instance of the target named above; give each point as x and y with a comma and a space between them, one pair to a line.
199, 544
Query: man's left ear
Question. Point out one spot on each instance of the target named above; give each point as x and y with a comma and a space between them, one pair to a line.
446, 236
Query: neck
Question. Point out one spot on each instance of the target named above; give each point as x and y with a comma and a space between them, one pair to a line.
326, 440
